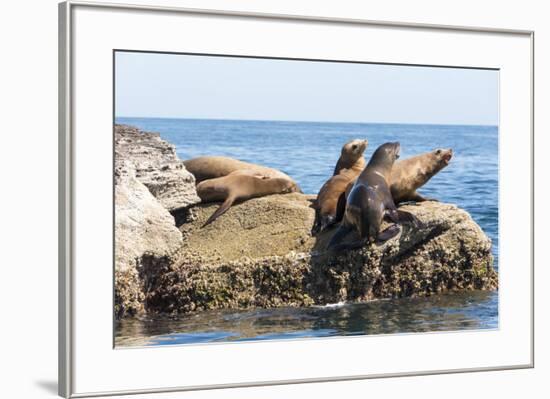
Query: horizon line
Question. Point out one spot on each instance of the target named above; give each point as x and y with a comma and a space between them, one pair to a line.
307, 121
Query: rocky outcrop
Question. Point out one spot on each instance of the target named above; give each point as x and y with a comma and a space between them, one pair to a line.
142, 224
150, 181
260, 253
157, 166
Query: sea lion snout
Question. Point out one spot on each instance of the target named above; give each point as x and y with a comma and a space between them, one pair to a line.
444, 154
292, 187
355, 148
361, 146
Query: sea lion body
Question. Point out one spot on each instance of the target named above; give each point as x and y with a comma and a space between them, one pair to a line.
327, 202
370, 200
350, 164
211, 167
241, 186
408, 175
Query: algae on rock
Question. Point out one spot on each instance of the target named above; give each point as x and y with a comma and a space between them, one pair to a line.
261, 254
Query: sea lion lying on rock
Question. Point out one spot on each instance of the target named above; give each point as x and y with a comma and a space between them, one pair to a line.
369, 201
211, 167
241, 185
350, 164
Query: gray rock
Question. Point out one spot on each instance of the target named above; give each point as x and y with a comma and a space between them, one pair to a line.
156, 165
142, 224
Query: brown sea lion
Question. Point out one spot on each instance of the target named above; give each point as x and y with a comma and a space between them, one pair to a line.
350, 164
369, 201
351, 156
408, 175
211, 167
241, 186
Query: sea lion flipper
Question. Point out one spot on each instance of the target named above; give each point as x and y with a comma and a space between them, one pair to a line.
387, 234
405, 216
420, 198
322, 223
392, 215
220, 211
316, 221
336, 239
340, 208
399, 216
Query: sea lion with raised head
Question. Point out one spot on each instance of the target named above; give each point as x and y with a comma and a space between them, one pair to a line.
350, 164
408, 175
351, 156
369, 201
241, 186
211, 167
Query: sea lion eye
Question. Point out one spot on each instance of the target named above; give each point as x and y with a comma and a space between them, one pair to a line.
438, 152
353, 147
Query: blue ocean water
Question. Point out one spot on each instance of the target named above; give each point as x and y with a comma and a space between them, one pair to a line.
308, 151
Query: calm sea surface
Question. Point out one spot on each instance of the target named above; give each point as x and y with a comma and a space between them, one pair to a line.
308, 151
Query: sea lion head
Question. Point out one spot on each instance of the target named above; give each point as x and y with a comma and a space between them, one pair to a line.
441, 157
290, 186
354, 149
434, 161
385, 155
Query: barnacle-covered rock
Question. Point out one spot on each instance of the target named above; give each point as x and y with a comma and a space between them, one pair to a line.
261, 254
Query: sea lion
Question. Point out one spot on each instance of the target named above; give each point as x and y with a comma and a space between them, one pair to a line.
370, 200
408, 175
242, 185
351, 156
350, 164
211, 167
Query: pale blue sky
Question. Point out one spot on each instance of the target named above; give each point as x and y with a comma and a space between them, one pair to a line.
184, 86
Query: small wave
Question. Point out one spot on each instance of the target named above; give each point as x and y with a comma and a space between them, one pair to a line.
331, 305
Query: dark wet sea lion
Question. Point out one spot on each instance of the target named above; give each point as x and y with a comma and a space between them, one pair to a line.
241, 186
211, 167
351, 156
350, 164
408, 175
369, 201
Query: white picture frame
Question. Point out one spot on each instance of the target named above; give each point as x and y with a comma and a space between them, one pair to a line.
86, 107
